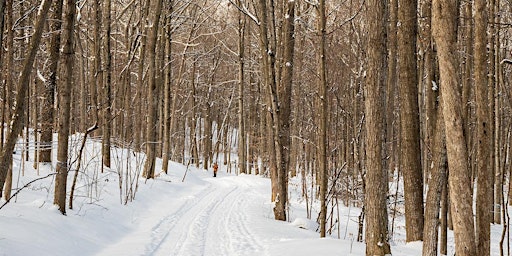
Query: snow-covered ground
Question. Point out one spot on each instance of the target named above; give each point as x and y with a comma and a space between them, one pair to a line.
202, 215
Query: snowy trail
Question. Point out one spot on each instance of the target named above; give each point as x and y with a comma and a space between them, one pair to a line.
217, 220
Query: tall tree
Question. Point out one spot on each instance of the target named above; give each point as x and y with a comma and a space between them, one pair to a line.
322, 120
97, 72
68, 54
168, 115
107, 86
242, 158
410, 153
47, 119
9, 87
17, 120
444, 31
484, 197
377, 242
149, 166
281, 107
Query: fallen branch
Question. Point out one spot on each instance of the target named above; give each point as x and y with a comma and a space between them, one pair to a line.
26, 185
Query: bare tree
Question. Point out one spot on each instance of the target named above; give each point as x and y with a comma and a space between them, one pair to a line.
444, 30
16, 125
410, 153
50, 84
322, 120
376, 185
484, 197
242, 157
149, 166
65, 107
107, 86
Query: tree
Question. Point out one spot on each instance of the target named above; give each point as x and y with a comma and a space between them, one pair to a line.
68, 54
484, 197
47, 119
16, 125
410, 153
322, 120
168, 115
376, 185
149, 166
444, 31
242, 158
107, 87
436, 185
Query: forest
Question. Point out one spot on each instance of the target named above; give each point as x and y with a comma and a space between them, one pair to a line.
356, 96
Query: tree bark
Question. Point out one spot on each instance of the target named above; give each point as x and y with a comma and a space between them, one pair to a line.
484, 197
242, 157
107, 88
68, 54
436, 184
149, 166
168, 115
410, 153
376, 234
444, 27
322, 120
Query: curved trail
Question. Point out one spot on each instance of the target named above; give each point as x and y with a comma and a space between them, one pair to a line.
217, 217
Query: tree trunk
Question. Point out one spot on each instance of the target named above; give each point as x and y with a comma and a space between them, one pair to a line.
281, 106
484, 197
391, 84
149, 166
436, 185
97, 74
8, 90
377, 242
107, 91
444, 27
242, 157
410, 153
68, 53
168, 115
322, 120
139, 99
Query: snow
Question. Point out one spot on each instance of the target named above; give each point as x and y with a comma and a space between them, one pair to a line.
227, 215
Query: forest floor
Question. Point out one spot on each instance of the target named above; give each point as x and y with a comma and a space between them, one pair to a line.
185, 212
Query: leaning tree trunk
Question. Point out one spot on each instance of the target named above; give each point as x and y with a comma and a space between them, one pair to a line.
436, 184
16, 124
65, 107
444, 28
377, 242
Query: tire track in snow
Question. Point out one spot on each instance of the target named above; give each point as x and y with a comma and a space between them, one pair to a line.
161, 231
193, 241
215, 221
241, 240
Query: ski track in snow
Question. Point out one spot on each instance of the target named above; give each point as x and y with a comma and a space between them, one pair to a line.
214, 221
